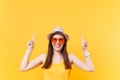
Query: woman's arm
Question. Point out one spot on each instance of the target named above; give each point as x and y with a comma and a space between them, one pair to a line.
25, 64
88, 65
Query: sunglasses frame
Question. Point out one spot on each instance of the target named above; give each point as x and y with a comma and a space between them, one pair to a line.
61, 40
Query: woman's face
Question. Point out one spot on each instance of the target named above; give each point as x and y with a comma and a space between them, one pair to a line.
58, 42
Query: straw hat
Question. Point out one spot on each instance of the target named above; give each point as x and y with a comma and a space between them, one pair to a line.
58, 29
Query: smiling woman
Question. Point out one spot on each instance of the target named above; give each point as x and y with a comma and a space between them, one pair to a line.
57, 60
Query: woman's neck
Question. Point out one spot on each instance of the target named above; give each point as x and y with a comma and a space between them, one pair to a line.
57, 57
57, 53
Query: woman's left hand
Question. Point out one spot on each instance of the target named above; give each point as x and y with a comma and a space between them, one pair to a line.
84, 45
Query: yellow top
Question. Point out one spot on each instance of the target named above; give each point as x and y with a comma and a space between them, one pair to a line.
57, 72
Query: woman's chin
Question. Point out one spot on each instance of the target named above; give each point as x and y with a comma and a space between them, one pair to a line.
58, 49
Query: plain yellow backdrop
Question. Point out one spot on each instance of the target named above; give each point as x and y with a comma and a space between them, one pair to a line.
97, 20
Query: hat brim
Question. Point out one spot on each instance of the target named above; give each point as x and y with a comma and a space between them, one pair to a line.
66, 36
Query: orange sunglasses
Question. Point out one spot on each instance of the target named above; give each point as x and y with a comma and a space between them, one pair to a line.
61, 40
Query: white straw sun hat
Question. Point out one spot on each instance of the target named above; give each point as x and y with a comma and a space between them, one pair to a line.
58, 29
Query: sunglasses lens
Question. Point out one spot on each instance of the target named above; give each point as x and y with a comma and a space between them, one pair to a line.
54, 40
61, 40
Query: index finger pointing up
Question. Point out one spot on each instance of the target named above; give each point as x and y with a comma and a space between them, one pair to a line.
33, 38
82, 38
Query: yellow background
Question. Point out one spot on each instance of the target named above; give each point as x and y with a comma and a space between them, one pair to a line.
97, 20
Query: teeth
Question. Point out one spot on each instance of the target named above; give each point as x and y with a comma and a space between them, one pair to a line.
57, 46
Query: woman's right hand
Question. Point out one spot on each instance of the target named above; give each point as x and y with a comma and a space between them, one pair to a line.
30, 44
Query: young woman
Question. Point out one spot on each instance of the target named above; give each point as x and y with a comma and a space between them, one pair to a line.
57, 62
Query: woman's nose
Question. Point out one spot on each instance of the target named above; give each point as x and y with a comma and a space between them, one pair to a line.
57, 42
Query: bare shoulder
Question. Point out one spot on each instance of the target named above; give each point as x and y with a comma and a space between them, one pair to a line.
42, 56
71, 57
